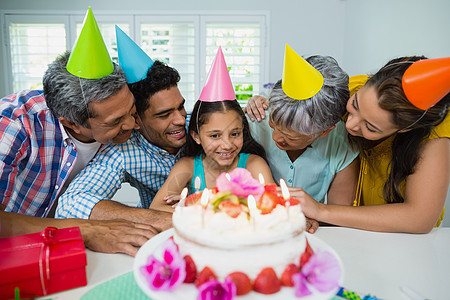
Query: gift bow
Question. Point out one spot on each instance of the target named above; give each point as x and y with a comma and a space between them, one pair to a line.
47, 236
48, 239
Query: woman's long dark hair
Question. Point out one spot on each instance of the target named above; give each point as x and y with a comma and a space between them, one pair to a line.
406, 145
200, 115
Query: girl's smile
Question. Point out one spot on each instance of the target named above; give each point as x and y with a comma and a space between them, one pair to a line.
222, 139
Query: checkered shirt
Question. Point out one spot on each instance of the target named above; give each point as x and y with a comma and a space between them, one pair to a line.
137, 162
36, 155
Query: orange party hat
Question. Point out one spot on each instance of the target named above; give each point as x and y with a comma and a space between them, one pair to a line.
427, 81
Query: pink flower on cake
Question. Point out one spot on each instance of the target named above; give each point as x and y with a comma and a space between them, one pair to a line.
321, 273
166, 275
240, 183
215, 290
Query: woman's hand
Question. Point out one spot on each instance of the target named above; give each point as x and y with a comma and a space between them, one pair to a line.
311, 225
310, 207
256, 107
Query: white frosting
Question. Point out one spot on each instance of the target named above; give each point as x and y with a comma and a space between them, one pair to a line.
228, 244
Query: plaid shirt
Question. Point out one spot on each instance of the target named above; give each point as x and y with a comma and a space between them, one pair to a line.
137, 162
36, 154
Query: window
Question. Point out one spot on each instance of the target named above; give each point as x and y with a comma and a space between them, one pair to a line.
33, 45
241, 45
187, 42
175, 43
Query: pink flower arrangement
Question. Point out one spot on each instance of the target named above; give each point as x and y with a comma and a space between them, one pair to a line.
166, 275
215, 290
322, 273
241, 183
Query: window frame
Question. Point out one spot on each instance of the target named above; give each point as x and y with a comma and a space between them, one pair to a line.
134, 19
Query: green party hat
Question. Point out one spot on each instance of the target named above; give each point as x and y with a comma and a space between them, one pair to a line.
90, 58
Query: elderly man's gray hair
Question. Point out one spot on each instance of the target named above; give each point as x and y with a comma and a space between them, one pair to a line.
68, 96
321, 111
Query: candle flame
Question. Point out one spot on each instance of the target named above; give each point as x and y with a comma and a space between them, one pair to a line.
205, 198
261, 178
197, 183
183, 194
284, 189
251, 203
228, 176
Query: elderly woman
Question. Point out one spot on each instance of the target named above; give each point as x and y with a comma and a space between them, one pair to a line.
399, 120
305, 140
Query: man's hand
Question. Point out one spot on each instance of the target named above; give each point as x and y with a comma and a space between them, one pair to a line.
256, 107
110, 236
111, 210
172, 199
115, 236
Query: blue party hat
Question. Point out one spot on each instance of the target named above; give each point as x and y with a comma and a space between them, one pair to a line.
133, 60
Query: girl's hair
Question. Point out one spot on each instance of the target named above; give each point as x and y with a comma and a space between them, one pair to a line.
406, 145
201, 114
318, 113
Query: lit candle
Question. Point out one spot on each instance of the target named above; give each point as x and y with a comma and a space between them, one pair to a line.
261, 178
183, 196
228, 176
197, 184
286, 196
252, 209
204, 203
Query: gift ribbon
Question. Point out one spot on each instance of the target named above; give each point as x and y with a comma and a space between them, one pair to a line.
47, 236
48, 239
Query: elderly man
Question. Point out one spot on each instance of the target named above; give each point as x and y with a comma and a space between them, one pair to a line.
47, 137
146, 159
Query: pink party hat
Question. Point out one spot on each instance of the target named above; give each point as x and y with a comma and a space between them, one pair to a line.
218, 86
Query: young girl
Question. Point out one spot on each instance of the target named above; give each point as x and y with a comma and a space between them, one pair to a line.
219, 141
405, 152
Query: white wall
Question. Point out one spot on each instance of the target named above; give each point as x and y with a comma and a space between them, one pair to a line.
376, 31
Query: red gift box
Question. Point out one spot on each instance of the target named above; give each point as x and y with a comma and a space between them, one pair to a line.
42, 263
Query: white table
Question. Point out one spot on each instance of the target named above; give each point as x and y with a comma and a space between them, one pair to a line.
375, 263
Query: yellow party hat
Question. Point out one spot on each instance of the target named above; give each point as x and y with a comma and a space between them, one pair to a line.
300, 80
90, 58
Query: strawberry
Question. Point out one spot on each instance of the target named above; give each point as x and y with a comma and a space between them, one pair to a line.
267, 202
230, 208
205, 275
292, 201
191, 270
214, 190
242, 282
193, 198
306, 255
271, 188
286, 277
267, 282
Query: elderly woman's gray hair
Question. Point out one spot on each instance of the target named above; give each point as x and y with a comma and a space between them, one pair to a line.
321, 111
68, 96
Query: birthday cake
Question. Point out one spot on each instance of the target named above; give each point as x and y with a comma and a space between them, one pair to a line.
238, 238
225, 243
